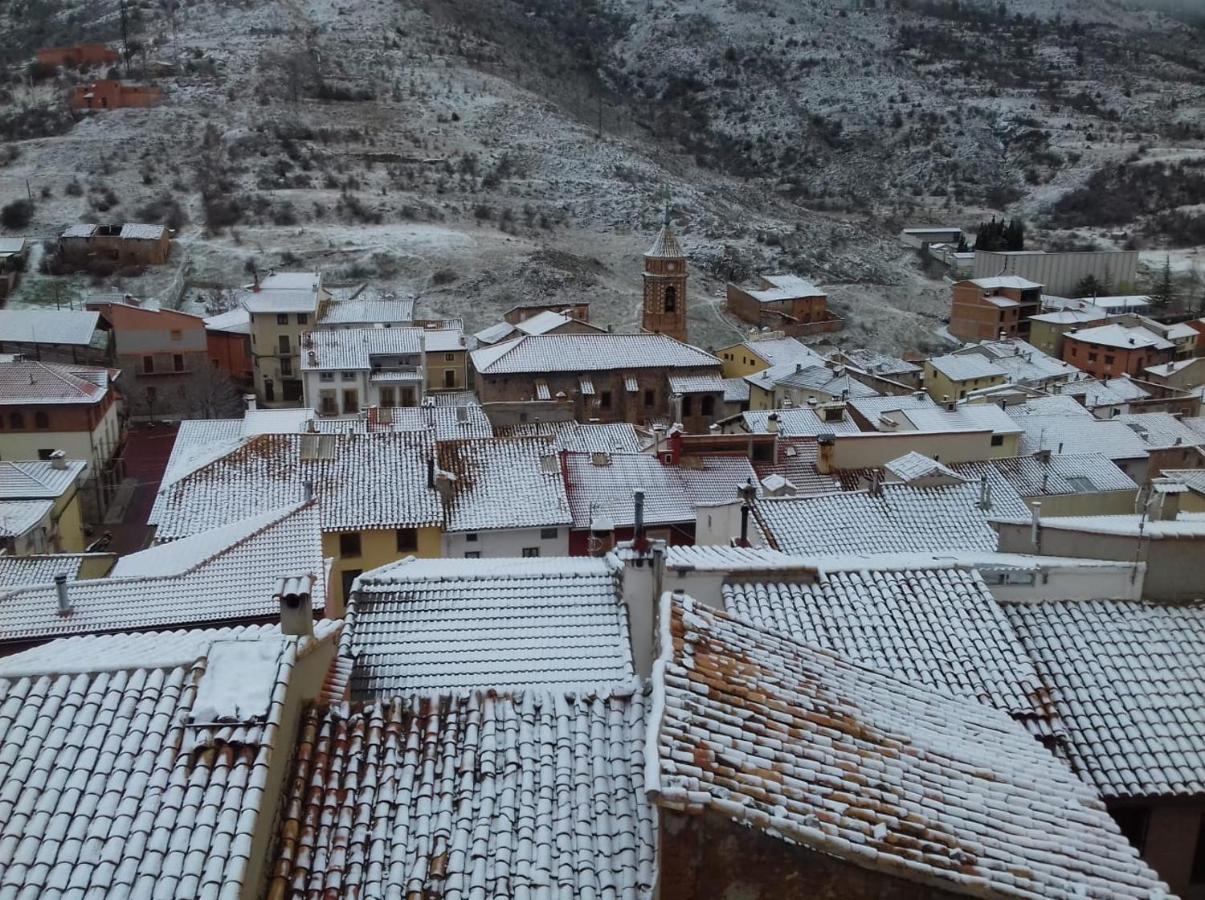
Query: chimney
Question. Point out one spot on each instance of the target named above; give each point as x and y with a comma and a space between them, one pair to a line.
58, 460
293, 594
249, 402
430, 473
602, 535
308, 490
60, 587
1035, 527
676, 405
675, 446
824, 463
444, 482
985, 494
948, 403
772, 423
638, 539
876, 483
747, 492
658, 434
462, 415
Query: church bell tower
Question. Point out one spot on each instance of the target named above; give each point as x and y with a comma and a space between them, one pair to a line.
665, 285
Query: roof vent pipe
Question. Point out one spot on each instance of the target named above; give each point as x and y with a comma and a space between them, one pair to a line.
308, 491
985, 494
638, 521
60, 587
1035, 528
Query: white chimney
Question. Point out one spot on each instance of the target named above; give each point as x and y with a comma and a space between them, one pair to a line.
293, 593
60, 587
985, 494
772, 423
1035, 528
58, 460
462, 414
249, 402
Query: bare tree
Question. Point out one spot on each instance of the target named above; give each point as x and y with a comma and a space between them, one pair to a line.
211, 393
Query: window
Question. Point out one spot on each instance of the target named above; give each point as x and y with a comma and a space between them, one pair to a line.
1091, 357
997, 440
282, 343
349, 544
351, 402
286, 367
604, 400
449, 357
303, 318
177, 334
708, 405
348, 578
687, 406
41, 420
44, 453
328, 406
386, 397
529, 552
178, 362
407, 540
151, 395
148, 365
348, 376
326, 376
549, 534
1198, 857
650, 398
1133, 822
269, 391
449, 378
472, 554
671, 299
282, 319
1109, 359
471, 536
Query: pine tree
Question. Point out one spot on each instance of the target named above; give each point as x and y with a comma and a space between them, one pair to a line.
1164, 290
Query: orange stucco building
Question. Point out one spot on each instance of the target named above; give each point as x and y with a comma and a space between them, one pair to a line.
111, 94
1108, 351
78, 55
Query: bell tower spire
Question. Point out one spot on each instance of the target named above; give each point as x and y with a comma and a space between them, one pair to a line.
664, 309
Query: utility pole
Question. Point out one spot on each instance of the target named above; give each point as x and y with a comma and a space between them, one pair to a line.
125, 34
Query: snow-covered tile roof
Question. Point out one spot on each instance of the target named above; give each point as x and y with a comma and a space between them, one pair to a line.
696, 384
1113, 392
268, 301
736, 390
354, 348
229, 574
1171, 368
797, 463
453, 398
1056, 405
25, 570
1126, 337
606, 483
446, 340
10, 246
142, 232
797, 421
503, 483
999, 282
609, 437
543, 322
784, 350
967, 417
1077, 435
423, 626
1022, 362
18, 516
932, 627
536, 354
822, 377
902, 519
472, 796
963, 367
1126, 679
38, 479
1185, 525
199, 441
879, 363
26, 381
113, 783
1159, 430
367, 306
1070, 316
913, 466
785, 287
291, 281
360, 481
808, 747
80, 230
48, 326
1035, 476
1193, 479
495, 333
871, 408
236, 321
